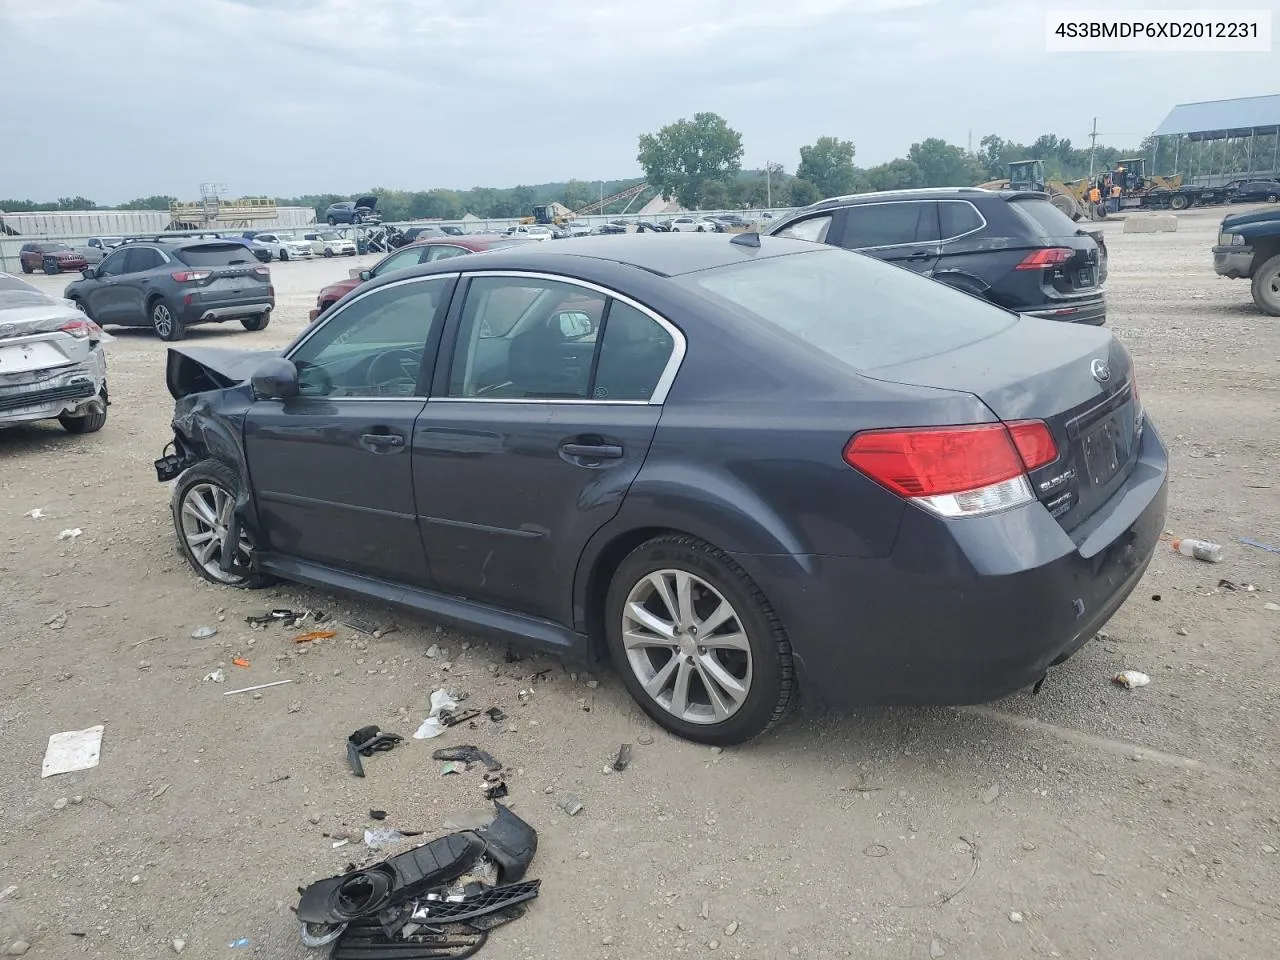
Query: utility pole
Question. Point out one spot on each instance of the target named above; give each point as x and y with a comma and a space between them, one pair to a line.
768, 184
1093, 146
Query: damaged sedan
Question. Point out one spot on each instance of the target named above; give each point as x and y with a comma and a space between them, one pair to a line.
738, 469
52, 361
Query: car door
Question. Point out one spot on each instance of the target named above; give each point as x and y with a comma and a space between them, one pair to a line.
543, 407
331, 470
903, 232
135, 286
103, 295
962, 248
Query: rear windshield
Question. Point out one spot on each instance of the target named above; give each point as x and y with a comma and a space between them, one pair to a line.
861, 311
216, 255
1046, 220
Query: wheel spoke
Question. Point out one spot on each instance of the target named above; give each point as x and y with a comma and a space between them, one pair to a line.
717, 676
719, 708
727, 641
638, 641
680, 688
650, 621
663, 589
658, 682
717, 618
684, 599
206, 551
198, 507
199, 538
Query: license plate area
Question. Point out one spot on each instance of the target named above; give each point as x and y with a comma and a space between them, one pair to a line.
1086, 277
1107, 446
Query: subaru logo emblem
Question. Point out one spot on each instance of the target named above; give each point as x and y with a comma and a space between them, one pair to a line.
1101, 372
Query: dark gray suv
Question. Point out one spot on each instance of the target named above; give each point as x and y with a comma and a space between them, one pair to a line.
171, 284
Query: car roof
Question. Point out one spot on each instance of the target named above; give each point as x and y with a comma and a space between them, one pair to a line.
919, 193
666, 255
476, 241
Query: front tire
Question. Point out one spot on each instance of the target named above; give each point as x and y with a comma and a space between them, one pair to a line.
696, 642
1266, 286
1272, 198
203, 501
257, 322
51, 267
284, 255
328, 252
1179, 202
167, 324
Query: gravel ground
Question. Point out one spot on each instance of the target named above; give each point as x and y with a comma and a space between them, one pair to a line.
1085, 822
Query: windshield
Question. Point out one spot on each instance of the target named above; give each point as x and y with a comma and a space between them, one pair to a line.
861, 311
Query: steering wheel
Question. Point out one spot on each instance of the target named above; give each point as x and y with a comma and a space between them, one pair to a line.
391, 367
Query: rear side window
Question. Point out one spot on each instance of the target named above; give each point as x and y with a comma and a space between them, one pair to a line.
958, 217
143, 258
1046, 221
216, 255
859, 310
890, 224
814, 229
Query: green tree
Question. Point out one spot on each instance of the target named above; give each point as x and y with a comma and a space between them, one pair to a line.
156, 202
803, 193
942, 164
75, 203
828, 165
899, 174
579, 193
683, 157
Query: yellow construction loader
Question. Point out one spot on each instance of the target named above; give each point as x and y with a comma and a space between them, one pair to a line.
1071, 197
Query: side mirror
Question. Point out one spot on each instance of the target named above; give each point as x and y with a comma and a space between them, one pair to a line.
366, 274
89, 273
276, 379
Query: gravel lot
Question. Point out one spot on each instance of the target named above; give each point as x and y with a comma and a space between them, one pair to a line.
1085, 822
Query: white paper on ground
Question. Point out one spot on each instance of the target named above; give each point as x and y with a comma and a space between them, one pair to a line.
432, 727
72, 750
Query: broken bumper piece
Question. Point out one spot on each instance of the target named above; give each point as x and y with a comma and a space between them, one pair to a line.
436, 900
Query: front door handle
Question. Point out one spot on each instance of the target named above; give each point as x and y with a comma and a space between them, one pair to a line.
919, 255
382, 440
592, 451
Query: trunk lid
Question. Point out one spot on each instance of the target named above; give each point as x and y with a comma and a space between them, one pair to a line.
1078, 380
1049, 227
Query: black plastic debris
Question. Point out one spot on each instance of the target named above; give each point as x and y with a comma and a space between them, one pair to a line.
438, 900
467, 754
513, 656
367, 741
623, 758
450, 719
377, 814
495, 791
495, 714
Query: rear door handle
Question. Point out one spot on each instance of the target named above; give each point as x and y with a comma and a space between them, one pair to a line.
592, 451
382, 439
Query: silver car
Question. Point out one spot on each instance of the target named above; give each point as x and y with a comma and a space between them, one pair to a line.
52, 361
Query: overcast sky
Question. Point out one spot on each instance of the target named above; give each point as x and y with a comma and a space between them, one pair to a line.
114, 100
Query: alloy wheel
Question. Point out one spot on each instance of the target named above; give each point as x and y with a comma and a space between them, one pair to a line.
206, 514
162, 319
686, 645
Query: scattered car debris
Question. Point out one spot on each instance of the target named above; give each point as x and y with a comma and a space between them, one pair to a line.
383, 837
1130, 679
72, 750
495, 714
239, 944
570, 804
36, 514
1229, 585
57, 621
203, 633
367, 741
623, 758
240, 662
453, 766
260, 686
1271, 606
496, 789
644, 739
450, 719
468, 754
1261, 546
360, 626
439, 899
377, 814
70, 534
314, 635
1205, 550
216, 676
513, 656
433, 726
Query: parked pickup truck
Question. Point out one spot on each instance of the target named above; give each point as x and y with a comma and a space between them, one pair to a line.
1249, 248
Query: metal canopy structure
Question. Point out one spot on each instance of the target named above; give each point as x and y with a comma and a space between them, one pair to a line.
1223, 119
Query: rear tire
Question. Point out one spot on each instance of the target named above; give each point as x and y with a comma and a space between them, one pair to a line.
26, 268
202, 500
284, 255
332, 222
258, 322
1266, 286
1179, 202
754, 683
89, 423
167, 324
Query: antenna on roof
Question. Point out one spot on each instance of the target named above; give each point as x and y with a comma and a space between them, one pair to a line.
749, 239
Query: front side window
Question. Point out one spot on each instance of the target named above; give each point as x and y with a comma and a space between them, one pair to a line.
374, 346
522, 339
113, 265
399, 261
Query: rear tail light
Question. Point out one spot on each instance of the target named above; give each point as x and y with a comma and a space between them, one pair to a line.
262, 271
956, 471
1047, 257
191, 276
81, 329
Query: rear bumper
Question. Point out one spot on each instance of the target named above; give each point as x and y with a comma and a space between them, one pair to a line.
219, 310
1092, 311
1233, 262
74, 389
955, 615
